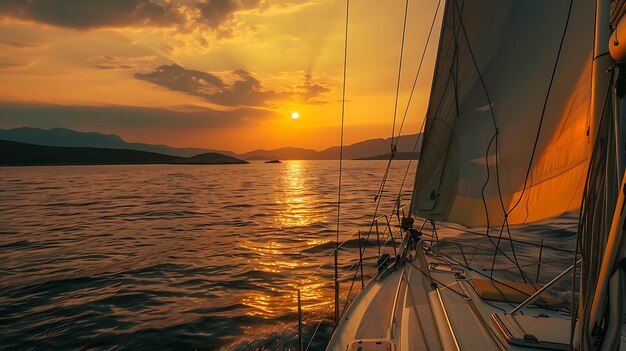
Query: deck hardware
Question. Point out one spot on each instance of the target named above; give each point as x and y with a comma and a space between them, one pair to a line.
534, 296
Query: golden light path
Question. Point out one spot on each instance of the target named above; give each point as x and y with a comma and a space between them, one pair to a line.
298, 210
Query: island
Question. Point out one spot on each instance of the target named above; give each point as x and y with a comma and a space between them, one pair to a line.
273, 161
21, 154
211, 158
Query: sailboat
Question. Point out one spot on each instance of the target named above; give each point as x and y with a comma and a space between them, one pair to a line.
525, 122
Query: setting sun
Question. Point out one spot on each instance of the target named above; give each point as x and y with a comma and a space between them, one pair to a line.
295, 115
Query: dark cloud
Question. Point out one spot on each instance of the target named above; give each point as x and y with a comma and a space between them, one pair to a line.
310, 91
175, 77
88, 14
215, 13
244, 91
40, 115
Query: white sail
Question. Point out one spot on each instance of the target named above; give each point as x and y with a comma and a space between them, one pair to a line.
511, 47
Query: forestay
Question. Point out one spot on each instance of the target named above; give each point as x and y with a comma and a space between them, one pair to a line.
492, 74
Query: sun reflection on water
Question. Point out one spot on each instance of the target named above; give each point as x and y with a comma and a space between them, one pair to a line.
295, 198
297, 207
284, 301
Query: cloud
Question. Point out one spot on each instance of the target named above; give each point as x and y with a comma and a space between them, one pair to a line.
91, 14
7, 66
120, 63
310, 91
87, 14
105, 66
41, 115
20, 45
216, 12
246, 90
175, 77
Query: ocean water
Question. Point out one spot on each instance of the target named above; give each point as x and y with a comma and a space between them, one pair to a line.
183, 257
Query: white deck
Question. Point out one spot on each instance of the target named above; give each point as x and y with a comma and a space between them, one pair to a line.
437, 316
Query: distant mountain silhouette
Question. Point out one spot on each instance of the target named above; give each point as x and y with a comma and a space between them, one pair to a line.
211, 158
72, 138
284, 153
368, 149
20, 154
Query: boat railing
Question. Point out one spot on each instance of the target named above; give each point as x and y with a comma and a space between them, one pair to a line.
534, 296
387, 229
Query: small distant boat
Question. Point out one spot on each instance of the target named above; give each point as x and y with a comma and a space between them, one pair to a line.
273, 161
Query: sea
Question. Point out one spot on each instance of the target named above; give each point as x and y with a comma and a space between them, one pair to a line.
213, 257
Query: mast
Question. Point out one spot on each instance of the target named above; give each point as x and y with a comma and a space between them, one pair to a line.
343, 113
602, 228
601, 63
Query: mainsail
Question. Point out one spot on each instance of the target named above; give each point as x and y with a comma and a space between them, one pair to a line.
503, 136
526, 120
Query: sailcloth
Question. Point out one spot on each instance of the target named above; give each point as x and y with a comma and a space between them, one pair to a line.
493, 70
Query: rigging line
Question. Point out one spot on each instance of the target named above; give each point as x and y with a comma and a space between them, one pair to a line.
381, 189
598, 155
497, 247
379, 195
345, 307
395, 107
317, 328
419, 69
454, 67
482, 81
343, 114
545, 104
524, 275
495, 254
583, 214
432, 279
487, 96
515, 240
423, 224
406, 111
543, 262
326, 259
482, 191
505, 224
574, 304
408, 166
484, 275
493, 117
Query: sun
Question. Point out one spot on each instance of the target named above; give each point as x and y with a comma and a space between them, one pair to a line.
295, 115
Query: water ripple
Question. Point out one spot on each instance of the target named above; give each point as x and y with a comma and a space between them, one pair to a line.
186, 257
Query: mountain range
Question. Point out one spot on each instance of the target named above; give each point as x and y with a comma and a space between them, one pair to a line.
21, 154
61, 137
72, 138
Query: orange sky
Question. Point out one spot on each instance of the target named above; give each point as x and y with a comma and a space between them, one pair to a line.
221, 74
